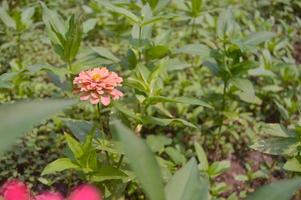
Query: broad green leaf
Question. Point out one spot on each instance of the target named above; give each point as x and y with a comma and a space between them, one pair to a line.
247, 92
107, 173
128, 14
280, 190
276, 145
156, 52
6, 19
27, 15
105, 53
157, 142
187, 184
17, 118
141, 160
225, 24
254, 39
278, 130
79, 128
51, 17
166, 121
202, 157
89, 24
126, 111
176, 156
194, 49
59, 165
292, 165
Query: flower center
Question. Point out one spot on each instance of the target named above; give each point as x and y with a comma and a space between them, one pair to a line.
96, 77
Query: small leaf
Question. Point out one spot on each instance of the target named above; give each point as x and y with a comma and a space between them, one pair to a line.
59, 165
292, 165
204, 165
89, 24
194, 49
156, 52
105, 53
6, 19
107, 173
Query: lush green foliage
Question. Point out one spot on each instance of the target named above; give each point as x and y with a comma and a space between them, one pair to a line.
205, 82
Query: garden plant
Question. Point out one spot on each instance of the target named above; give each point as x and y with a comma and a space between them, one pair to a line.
150, 99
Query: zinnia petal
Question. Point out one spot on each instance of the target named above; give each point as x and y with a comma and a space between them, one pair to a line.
105, 100
15, 190
49, 196
85, 192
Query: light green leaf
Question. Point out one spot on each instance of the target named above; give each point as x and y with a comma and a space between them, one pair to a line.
156, 52
59, 165
184, 100
107, 173
187, 184
17, 118
204, 165
105, 53
292, 165
6, 19
89, 24
157, 142
166, 121
280, 190
225, 23
74, 146
194, 49
141, 160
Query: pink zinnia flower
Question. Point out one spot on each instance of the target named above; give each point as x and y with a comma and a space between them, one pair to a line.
15, 190
49, 196
85, 192
98, 85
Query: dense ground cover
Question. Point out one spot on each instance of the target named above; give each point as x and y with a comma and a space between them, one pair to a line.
205, 100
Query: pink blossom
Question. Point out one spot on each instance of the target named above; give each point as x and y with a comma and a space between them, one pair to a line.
98, 85
49, 196
15, 190
85, 192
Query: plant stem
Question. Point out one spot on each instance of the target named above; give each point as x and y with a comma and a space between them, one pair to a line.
19, 55
120, 161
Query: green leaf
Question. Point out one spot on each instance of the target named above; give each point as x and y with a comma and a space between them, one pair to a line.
276, 145
152, 3
247, 92
128, 14
59, 165
292, 165
218, 168
52, 18
6, 19
127, 111
74, 146
253, 40
141, 160
196, 6
105, 53
89, 24
27, 15
17, 118
157, 52
225, 24
186, 184
79, 128
194, 49
157, 142
166, 122
275, 129
176, 156
184, 100
204, 165
280, 190
107, 173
